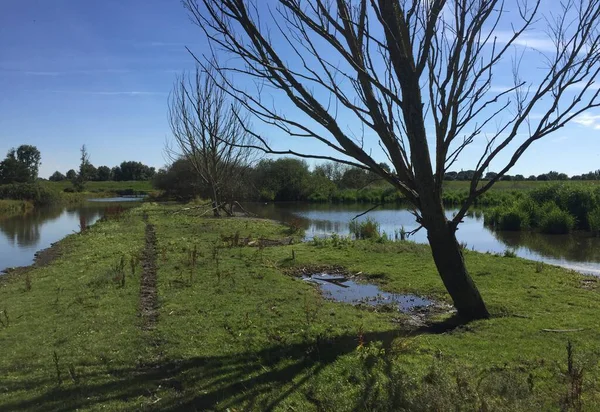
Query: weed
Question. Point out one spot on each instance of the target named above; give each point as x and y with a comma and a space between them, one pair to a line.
4, 320
295, 225
56, 360
574, 374
400, 234
27, 282
83, 224
192, 260
73, 374
509, 253
539, 267
368, 229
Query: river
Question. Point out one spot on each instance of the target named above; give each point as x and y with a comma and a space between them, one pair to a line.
22, 236
578, 251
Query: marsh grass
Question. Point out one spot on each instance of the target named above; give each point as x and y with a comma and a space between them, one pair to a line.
245, 336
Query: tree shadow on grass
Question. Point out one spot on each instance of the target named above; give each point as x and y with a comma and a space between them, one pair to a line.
259, 380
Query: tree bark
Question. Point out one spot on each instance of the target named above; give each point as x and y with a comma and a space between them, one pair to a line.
449, 261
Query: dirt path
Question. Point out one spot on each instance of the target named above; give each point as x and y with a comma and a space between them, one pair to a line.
148, 294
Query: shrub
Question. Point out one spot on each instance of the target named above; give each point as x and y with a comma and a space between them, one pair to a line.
513, 219
556, 221
368, 229
33, 192
593, 218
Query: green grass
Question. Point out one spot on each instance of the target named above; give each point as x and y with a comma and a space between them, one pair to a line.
109, 186
14, 207
235, 331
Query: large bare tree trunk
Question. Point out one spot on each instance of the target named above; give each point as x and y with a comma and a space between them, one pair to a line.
449, 261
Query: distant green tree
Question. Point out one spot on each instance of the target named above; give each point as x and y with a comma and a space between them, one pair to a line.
84, 169
179, 181
543, 177
355, 178
490, 175
71, 174
519, 178
21, 165
133, 171
532, 178
57, 177
103, 173
284, 179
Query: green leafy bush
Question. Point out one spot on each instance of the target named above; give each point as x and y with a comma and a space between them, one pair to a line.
556, 221
32, 192
367, 229
513, 219
593, 218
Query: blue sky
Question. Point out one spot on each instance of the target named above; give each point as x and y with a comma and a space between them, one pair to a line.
98, 73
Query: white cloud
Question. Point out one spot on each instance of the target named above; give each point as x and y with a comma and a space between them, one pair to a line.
588, 120
537, 41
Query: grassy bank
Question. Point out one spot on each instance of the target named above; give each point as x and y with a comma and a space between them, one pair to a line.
20, 198
14, 207
552, 209
104, 187
232, 328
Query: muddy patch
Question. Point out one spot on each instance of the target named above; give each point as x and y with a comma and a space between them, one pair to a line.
148, 294
341, 289
338, 284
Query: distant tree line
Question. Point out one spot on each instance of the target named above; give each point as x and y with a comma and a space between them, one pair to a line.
282, 179
126, 171
291, 179
466, 175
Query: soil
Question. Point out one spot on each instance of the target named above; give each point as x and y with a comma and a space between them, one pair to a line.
148, 309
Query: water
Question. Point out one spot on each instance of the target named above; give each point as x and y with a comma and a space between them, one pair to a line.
344, 290
578, 251
22, 236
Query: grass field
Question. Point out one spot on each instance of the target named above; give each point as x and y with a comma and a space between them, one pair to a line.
522, 185
225, 327
109, 186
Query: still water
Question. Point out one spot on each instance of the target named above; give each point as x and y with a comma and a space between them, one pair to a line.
22, 236
578, 251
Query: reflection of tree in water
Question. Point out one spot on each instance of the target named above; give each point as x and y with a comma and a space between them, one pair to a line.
576, 247
26, 230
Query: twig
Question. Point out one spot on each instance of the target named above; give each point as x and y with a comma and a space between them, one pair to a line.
562, 330
244, 210
364, 213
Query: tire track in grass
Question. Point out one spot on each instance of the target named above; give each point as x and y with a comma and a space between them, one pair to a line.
148, 308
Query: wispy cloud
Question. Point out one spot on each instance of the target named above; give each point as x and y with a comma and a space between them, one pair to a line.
531, 41
588, 120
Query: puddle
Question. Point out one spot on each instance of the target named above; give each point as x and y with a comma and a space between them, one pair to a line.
341, 289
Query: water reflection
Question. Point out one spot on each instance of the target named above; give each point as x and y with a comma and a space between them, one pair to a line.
576, 251
22, 236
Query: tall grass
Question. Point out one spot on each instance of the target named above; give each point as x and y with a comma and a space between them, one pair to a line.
553, 209
35, 193
14, 207
367, 229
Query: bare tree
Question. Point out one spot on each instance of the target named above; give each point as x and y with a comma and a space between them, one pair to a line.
399, 66
211, 134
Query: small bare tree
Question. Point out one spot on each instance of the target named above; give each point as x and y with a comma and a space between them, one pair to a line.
212, 135
399, 66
